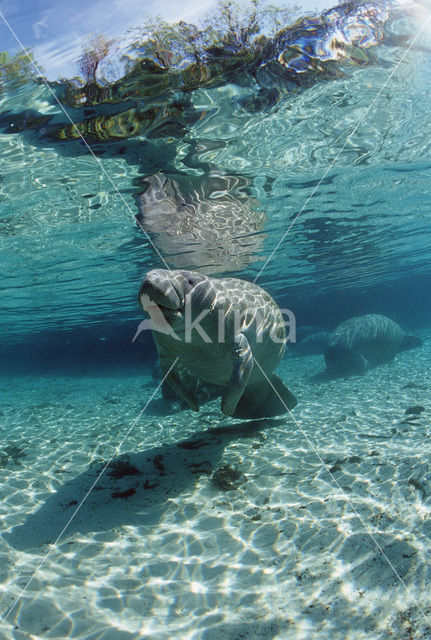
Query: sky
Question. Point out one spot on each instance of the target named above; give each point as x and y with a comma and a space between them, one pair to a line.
57, 29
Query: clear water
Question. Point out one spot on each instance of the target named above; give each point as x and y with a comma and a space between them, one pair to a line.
294, 550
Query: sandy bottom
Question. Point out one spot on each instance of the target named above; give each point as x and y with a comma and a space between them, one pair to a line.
318, 528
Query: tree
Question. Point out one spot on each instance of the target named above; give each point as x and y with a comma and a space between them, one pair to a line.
171, 45
231, 29
233, 25
94, 52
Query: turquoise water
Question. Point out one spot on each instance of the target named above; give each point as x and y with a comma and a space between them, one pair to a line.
325, 530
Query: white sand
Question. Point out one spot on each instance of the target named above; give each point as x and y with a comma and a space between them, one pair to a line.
281, 556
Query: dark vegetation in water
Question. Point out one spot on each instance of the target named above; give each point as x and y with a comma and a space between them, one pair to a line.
124, 494
227, 478
121, 468
158, 464
415, 410
12, 453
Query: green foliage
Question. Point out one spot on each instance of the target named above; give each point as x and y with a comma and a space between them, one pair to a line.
170, 44
232, 28
239, 24
17, 69
234, 25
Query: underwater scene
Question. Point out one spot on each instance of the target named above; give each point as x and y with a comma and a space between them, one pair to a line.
215, 312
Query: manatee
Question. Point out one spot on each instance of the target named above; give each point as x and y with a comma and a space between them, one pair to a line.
305, 330
313, 344
363, 342
211, 225
200, 389
227, 332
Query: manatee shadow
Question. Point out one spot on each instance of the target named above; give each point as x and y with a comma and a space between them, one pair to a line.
324, 376
160, 407
310, 612
133, 488
320, 376
381, 560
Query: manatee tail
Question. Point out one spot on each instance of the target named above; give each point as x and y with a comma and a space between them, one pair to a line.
265, 400
410, 342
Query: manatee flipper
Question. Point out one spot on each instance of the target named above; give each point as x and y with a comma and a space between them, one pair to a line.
265, 400
176, 383
242, 358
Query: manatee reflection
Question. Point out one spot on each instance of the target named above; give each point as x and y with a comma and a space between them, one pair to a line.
206, 222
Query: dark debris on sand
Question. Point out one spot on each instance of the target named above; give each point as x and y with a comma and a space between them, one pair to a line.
415, 410
227, 478
121, 468
12, 452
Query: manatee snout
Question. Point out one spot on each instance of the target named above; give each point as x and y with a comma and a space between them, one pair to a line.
160, 289
169, 289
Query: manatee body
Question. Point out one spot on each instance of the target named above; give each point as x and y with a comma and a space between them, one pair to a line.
363, 342
227, 332
305, 330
